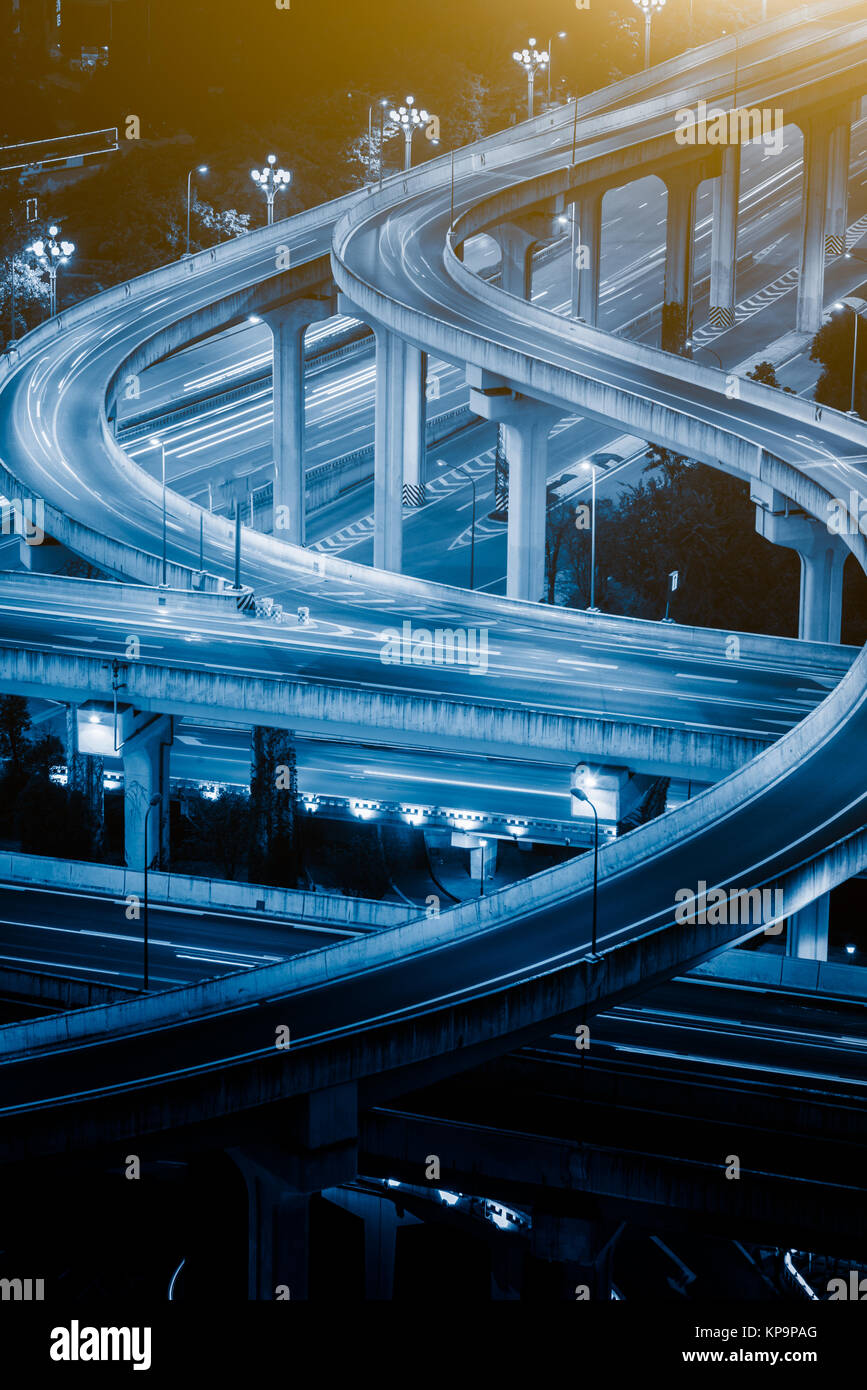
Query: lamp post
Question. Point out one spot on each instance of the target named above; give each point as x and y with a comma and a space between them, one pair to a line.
582, 796
51, 255
158, 444
673, 581
857, 306
562, 35
200, 169
649, 8
592, 608
271, 181
702, 347
409, 117
154, 801
531, 59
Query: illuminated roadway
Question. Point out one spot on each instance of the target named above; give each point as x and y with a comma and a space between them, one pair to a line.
484, 976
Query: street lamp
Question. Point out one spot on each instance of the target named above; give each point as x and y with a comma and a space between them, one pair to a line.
582, 796
562, 35
857, 306
409, 118
200, 169
154, 801
592, 608
158, 444
51, 254
650, 8
531, 59
271, 181
702, 347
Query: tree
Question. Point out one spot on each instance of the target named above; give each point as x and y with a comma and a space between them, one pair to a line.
766, 374
14, 724
219, 829
274, 853
833, 346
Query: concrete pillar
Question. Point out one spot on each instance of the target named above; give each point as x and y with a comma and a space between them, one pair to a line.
589, 252
414, 426
320, 1132
278, 1244
85, 775
811, 284
838, 189
516, 245
399, 441
807, 931
614, 791
823, 557
724, 245
680, 243
146, 772
287, 324
526, 425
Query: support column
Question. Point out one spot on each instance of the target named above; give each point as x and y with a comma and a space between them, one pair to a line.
146, 773
399, 436
85, 774
415, 427
724, 246
526, 426
679, 257
516, 246
321, 1136
811, 284
838, 190
823, 557
278, 1232
585, 300
287, 324
807, 931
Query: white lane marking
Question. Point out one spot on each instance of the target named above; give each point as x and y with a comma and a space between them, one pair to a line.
687, 676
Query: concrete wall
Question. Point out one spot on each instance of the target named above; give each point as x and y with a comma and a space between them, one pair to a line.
786, 972
221, 895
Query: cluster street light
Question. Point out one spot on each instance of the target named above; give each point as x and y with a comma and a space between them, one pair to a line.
410, 118
200, 169
51, 254
532, 60
650, 8
857, 306
562, 35
271, 181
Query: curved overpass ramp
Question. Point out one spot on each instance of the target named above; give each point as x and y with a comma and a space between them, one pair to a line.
439, 994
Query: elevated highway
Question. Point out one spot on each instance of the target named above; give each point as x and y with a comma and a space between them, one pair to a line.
370, 1018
